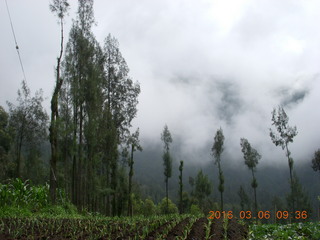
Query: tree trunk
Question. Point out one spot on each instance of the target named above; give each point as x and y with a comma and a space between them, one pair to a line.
180, 193
19, 147
167, 195
130, 182
255, 194
81, 194
108, 213
291, 178
221, 185
221, 199
75, 166
114, 186
53, 126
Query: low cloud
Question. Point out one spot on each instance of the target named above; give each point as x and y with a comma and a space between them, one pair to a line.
200, 67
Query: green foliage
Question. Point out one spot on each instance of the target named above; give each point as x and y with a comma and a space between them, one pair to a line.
195, 210
203, 187
19, 193
167, 163
90, 227
4, 131
19, 198
137, 205
216, 152
251, 159
15, 211
299, 196
285, 132
98, 103
172, 208
167, 160
284, 136
121, 92
166, 138
316, 161
254, 183
217, 147
250, 155
5, 142
305, 231
186, 202
244, 199
149, 208
59, 7
28, 121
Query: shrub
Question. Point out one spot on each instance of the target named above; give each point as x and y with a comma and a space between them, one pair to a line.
195, 210
21, 198
149, 208
172, 208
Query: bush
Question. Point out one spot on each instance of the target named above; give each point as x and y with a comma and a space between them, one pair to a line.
21, 199
195, 210
162, 207
149, 208
137, 205
19, 193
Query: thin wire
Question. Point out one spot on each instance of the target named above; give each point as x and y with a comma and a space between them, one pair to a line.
15, 40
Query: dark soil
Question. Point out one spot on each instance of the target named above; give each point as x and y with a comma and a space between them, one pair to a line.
237, 231
198, 230
58, 229
178, 230
216, 230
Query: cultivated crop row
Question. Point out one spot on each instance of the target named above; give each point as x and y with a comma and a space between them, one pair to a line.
181, 227
158, 227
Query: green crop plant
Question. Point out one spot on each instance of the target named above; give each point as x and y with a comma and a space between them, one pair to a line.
225, 227
207, 229
189, 225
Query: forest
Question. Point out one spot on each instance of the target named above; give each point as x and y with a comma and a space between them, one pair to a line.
84, 158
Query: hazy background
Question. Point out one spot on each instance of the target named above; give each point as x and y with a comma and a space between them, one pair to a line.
201, 64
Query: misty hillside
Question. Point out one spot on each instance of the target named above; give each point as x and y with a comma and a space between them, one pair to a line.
272, 180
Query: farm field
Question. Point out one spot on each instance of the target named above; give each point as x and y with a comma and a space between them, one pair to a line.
159, 227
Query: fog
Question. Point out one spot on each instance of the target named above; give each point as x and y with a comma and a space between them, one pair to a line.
201, 64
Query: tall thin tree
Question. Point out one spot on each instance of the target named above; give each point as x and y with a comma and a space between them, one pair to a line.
167, 161
217, 150
251, 159
134, 143
284, 136
59, 8
181, 187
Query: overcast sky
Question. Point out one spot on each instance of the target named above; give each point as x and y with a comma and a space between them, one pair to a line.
201, 64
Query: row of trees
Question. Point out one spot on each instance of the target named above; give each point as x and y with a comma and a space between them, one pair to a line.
93, 104
97, 101
284, 134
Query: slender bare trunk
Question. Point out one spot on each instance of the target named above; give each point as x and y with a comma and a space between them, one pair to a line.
53, 126
130, 182
291, 177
